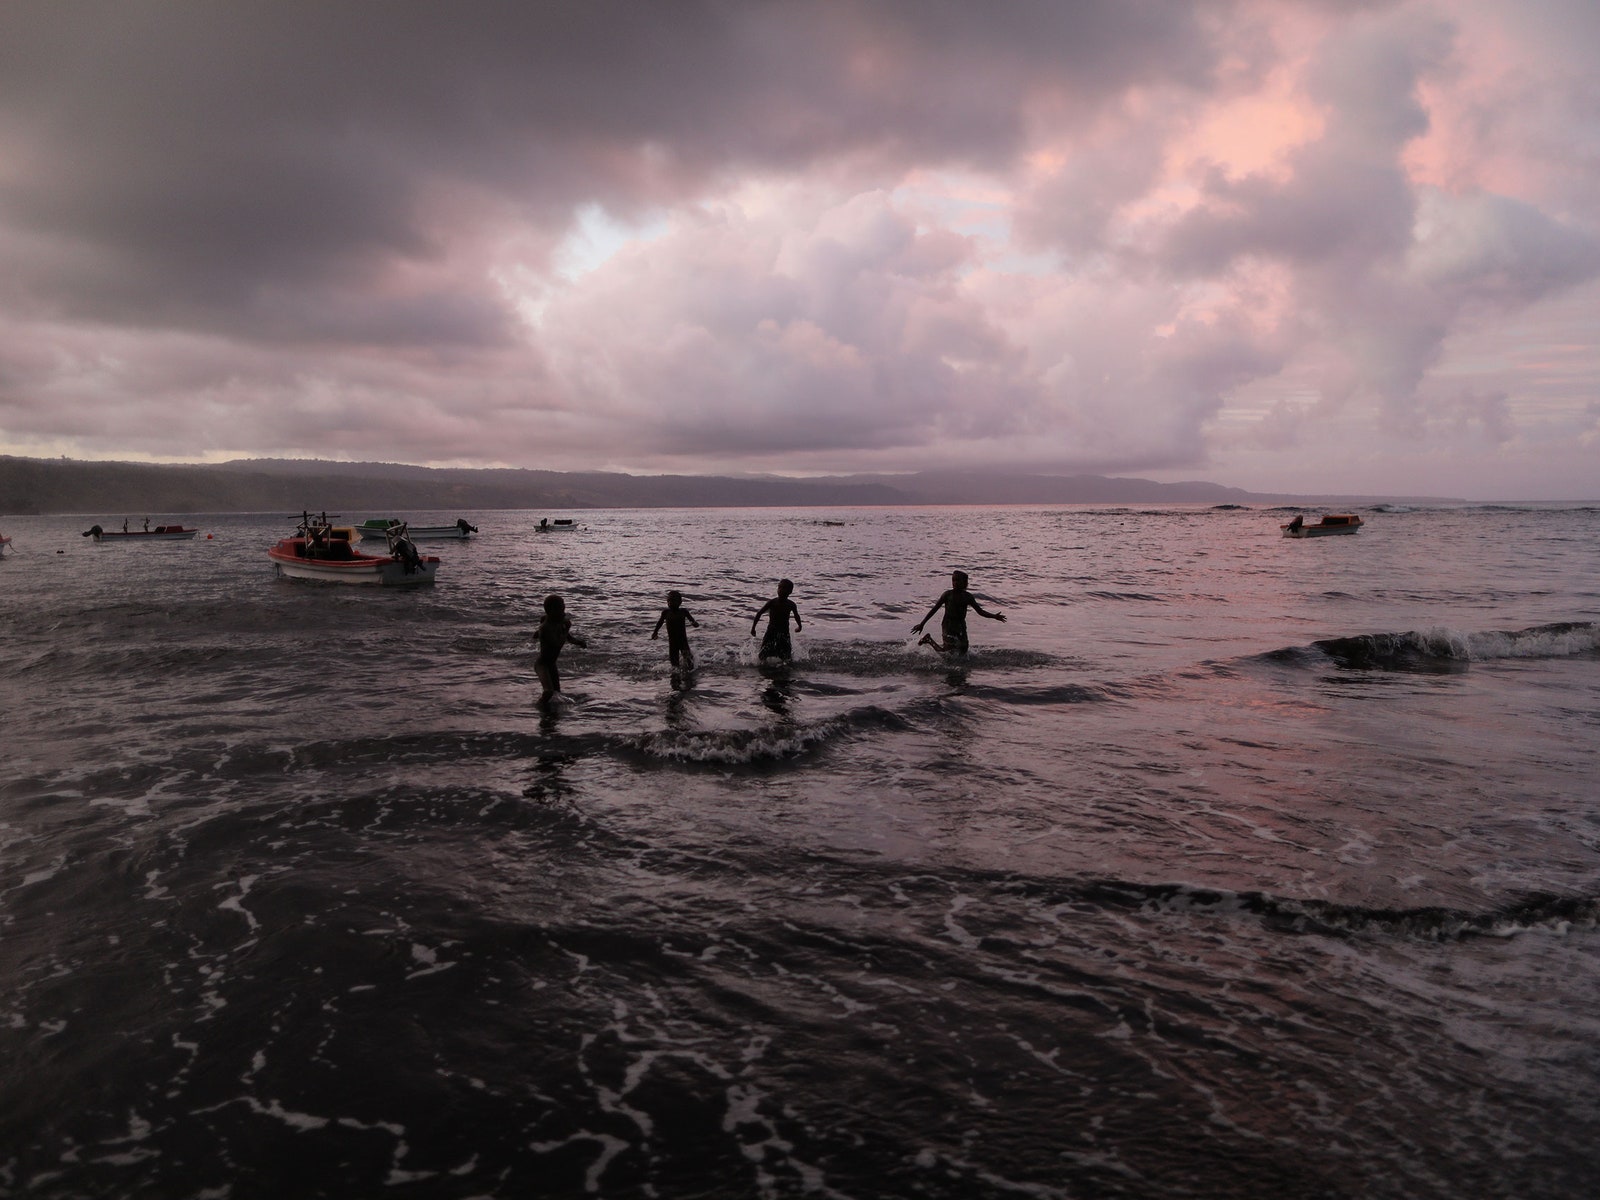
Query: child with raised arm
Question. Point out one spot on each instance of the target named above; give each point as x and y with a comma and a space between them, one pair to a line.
554, 632
677, 619
955, 603
776, 643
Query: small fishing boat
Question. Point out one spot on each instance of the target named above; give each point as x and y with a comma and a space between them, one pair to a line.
378, 527
559, 525
1332, 523
161, 533
321, 551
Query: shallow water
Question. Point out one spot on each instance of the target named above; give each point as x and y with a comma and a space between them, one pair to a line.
1229, 865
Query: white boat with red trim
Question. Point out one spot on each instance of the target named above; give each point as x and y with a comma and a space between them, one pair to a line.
322, 552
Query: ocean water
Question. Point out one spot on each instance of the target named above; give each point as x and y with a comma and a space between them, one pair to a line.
1228, 866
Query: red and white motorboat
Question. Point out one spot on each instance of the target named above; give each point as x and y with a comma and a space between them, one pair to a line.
161, 533
320, 551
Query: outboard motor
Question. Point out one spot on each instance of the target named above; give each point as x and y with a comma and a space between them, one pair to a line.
404, 549
461, 524
93, 531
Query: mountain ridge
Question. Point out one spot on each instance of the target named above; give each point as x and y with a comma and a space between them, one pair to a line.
39, 486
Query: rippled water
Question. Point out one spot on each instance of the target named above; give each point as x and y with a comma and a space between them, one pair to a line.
1229, 866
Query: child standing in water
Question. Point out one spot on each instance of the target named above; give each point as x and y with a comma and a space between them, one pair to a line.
677, 619
554, 632
955, 603
776, 643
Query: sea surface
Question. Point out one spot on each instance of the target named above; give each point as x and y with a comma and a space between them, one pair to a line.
1228, 866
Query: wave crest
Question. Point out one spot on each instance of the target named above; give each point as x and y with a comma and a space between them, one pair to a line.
774, 743
1450, 649
1541, 911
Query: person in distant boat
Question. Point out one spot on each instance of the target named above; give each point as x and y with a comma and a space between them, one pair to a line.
554, 632
1298, 522
779, 609
677, 619
124, 524
147, 524
544, 522
955, 603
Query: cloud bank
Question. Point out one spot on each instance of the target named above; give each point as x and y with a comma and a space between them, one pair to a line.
1313, 246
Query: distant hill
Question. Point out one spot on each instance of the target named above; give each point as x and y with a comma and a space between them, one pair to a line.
31, 485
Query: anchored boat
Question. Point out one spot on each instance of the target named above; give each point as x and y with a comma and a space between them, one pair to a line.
321, 551
1332, 523
161, 533
378, 527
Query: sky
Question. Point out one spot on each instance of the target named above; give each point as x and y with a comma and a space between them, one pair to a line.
1315, 246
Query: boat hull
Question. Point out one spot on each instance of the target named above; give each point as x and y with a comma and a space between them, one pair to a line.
142, 535
437, 533
419, 533
361, 569
1333, 523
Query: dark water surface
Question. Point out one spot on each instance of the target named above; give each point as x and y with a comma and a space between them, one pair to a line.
1230, 866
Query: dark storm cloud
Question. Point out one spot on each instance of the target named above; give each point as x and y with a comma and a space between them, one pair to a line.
266, 168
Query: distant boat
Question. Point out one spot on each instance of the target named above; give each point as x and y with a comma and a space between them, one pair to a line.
161, 533
378, 527
1332, 523
317, 552
559, 525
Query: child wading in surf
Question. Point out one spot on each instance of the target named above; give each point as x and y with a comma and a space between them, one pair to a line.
776, 642
677, 619
955, 603
554, 632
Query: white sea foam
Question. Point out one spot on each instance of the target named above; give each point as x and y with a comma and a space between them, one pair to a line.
1552, 641
736, 746
429, 960
236, 903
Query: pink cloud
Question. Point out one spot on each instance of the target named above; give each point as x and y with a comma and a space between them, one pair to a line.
1109, 236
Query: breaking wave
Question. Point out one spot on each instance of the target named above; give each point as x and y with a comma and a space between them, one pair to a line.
1442, 649
739, 747
1536, 912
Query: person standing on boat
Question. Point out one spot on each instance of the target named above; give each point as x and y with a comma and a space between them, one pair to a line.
554, 632
677, 619
955, 602
780, 608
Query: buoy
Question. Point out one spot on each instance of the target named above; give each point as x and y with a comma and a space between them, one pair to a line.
208, 537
